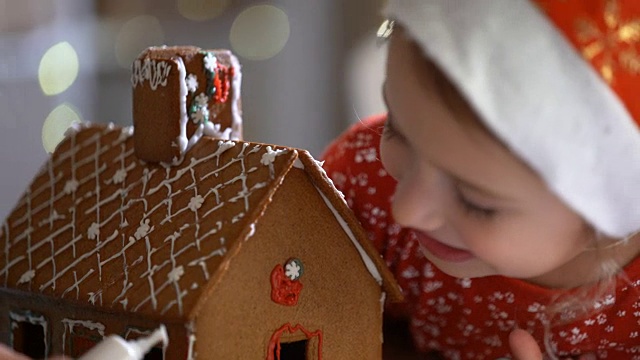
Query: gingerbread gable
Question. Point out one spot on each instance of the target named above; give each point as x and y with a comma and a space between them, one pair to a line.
99, 226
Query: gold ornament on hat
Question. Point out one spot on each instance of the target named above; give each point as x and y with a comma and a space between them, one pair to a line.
616, 45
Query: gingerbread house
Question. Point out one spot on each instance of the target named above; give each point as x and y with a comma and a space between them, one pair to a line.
242, 250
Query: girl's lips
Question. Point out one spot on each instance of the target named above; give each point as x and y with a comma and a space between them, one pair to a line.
441, 250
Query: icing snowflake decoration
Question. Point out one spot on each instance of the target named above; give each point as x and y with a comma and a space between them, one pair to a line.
175, 274
216, 89
119, 176
94, 231
293, 269
27, 276
201, 99
199, 114
143, 229
210, 62
199, 109
195, 203
192, 83
71, 186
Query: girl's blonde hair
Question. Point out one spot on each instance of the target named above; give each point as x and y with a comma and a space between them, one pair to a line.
588, 299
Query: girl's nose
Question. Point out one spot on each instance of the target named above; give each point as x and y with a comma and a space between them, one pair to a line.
418, 200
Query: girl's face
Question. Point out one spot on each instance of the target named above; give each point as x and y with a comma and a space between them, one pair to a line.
477, 208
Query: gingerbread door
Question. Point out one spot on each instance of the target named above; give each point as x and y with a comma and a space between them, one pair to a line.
295, 343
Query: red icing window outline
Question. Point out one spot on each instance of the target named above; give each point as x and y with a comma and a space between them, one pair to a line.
274, 343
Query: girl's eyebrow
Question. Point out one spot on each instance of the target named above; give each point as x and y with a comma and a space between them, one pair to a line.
458, 180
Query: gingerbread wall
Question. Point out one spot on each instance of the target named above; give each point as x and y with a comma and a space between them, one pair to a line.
339, 296
69, 328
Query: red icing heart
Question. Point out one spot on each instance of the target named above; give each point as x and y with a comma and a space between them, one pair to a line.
284, 291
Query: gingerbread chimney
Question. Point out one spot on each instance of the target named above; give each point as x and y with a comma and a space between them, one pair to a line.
181, 93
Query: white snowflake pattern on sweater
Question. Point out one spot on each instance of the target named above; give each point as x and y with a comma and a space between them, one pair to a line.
470, 318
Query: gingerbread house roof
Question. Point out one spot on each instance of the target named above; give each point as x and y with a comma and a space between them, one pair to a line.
99, 226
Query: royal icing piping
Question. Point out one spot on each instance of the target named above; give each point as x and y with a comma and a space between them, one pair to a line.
156, 72
373, 270
273, 351
70, 324
235, 101
120, 196
191, 336
192, 83
365, 258
32, 319
184, 118
200, 103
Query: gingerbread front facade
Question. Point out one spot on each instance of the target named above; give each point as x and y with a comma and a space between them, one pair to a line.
103, 242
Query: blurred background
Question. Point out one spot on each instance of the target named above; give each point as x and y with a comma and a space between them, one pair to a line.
310, 68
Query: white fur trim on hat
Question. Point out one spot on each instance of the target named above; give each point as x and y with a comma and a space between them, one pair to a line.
537, 94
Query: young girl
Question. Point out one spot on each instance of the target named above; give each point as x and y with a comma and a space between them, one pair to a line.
502, 187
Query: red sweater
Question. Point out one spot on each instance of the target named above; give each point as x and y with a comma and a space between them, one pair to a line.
470, 318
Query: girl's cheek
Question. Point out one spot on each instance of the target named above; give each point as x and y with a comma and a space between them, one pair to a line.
393, 157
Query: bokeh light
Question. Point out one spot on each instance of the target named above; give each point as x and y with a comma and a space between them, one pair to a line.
56, 124
58, 68
201, 10
260, 32
136, 35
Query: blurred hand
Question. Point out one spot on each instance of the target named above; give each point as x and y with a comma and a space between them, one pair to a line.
524, 347
7, 353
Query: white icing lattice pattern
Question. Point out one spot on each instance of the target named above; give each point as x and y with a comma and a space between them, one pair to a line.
125, 228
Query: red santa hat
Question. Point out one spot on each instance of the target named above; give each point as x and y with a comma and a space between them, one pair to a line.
558, 81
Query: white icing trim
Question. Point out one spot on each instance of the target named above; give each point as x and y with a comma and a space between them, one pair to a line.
184, 117
71, 323
191, 354
556, 112
371, 266
34, 320
236, 124
91, 325
298, 164
136, 331
252, 231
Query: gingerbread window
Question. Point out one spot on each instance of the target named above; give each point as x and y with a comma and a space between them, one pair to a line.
156, 353
80, 336
293, 350
291, 342
29, 334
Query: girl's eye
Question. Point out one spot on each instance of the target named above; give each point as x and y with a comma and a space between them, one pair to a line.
471, 208
389, 132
